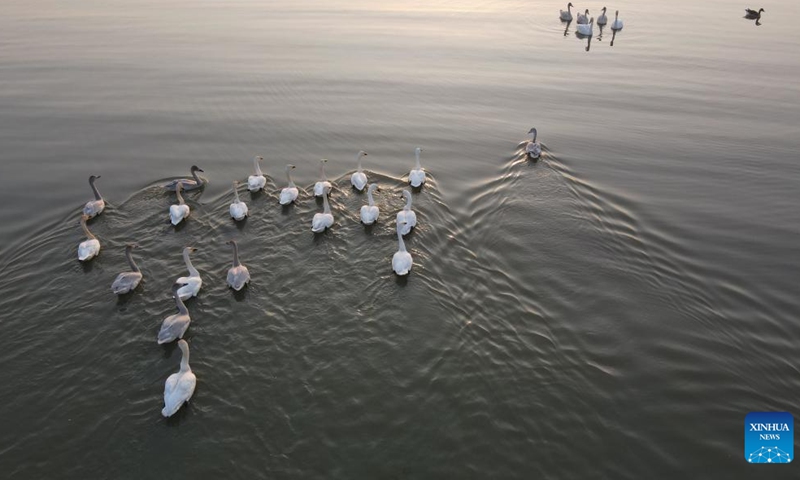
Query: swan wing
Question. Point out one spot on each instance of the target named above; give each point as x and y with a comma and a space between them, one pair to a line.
238, 277
173, 328
288, 195
126, 282
177, 391
88, 249
359, 180
256, 182
401, 263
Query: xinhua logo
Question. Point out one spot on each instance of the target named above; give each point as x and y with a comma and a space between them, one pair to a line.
769, 437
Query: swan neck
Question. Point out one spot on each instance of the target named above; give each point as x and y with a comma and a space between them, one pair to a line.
326, 207
236, 262
184, 358
401, 244
235, 194
178, 189
408, 203
181, 306
129, 256
289, 177
359, 163
97, 195
322, 171
86, 230
369, 197
419, 167
192, 271
197, 178
258, 167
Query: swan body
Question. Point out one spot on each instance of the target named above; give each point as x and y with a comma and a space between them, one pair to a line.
256, 182
401, 261
753, 14
617, 24
583, 17
89, 248
406, 218
179, 212
174, 326
586, 28
238, 275
370, 212
188, 183
602, 19
533, 149
127, 281
324, 220
180, 386
191, 284
238, 208
289, 194
94, 207
359, 178
566, 15
323, 184
416, 177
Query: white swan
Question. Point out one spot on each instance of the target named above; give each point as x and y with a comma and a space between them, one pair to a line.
359, 179
617, 24
94, 207
179, 212
127, 281
602, 19
238, 208
289, 194
416, 177
238, 275
174, 326
89, 248
188, 184
323, 220
583, 17
369, 213
401, 261
323, 184
566, 15
256, 182
179, 387
586, 28
191, 284
533, 149
406, 217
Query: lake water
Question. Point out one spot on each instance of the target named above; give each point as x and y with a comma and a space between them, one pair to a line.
613, 310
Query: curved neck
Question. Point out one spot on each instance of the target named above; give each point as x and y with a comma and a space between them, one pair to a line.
236, 262
359, 162
418, 164
258, 167
192, 271
534, 133
178, 189
569, 8
196, 178
235, 194
86, 229
184, 358
129, 255
326, 207
616, 16
289, 176
369, 197
408, 203
179, 303
401, 243
322, 171
94, 189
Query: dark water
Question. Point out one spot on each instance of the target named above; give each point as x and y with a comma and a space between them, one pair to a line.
612, 311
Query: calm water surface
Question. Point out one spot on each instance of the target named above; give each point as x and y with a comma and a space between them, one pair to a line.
612, 311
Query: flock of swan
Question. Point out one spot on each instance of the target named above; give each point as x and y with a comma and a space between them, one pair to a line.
180, 386
585, 23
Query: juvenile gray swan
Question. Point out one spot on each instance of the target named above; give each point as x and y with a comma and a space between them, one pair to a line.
127, 281
238, 276
188, 184
174, 326
94, 207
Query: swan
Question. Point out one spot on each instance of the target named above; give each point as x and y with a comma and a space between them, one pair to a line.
602, 19
256, 182
179, 386
416, 177
583, 17
127, 281
289, 194
174, 326
188, 184
94, 207
179, 212
238, 276
406, 217
191, 284
238, 208
586, 28
323, 183
752, 14
617, 25
566, 15
323, 220
89, 248
401, 261
533, 148
369, 213
359, 179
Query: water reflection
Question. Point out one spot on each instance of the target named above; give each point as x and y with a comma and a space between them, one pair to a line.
613, 36
566, 29
600, 35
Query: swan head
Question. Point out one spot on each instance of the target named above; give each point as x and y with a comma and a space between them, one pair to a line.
362, 153
604, 10
84, 218
570, 5
235, 184
131, 246
195, 168
289, 167
93, 178
617, 13
230, 242
417, 150
189, 250
406, 194
761, 10
372, 187
259, 158
323, 160
184, 346
587, 11
532, 130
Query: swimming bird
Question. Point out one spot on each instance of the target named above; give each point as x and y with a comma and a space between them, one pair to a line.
566, 15
190, 285
323, 184
401, 261
256, 182
369, 213
602, 19
323, 220
238, 208
90, 247
533, 149
406, 217
94, 207
583, 17
174, 326
127, 281
180, 386
179, 212
617, 24
359, 178
752, 14
416, 177
238, 275
289, 194
586, 28
188, 184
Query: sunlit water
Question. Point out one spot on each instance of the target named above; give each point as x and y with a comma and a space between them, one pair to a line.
611, 311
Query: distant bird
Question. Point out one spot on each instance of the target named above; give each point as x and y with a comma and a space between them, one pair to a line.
752, 14
238, 208
323, 184
566, 15
256, 182
359, 178
617, 24
533, 149
94, 207
324, 220
406, 217
602, 19
89, 248
188, 184
174, 326
585, 28
370, 212
179, 212
583, 18
190, 285
180, 386
401, 260
238, 275
289, 194
416, 177
127, 281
